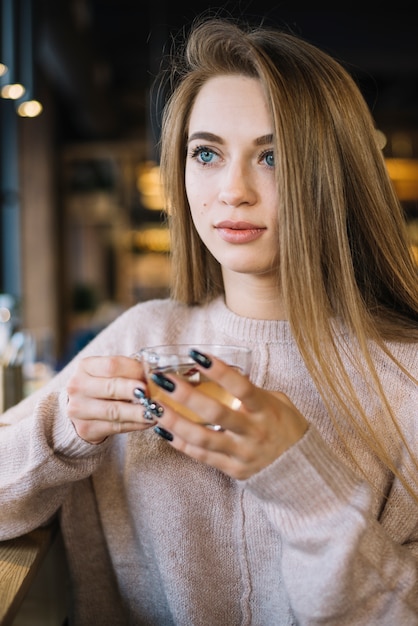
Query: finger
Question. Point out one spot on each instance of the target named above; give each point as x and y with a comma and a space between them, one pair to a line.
96, 432
238, 456
224, 442
194, 432
227, 376
210, 454
116, 387
96, 409
113, 366
104, 388
211, 403
231, 379
96, 419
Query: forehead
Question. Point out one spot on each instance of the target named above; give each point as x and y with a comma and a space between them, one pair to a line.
230, 101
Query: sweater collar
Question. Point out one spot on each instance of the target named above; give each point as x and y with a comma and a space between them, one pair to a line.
248, 329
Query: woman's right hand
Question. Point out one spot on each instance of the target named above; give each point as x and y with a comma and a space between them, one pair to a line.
101, 397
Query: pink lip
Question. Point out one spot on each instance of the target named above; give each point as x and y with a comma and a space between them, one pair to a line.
238, 232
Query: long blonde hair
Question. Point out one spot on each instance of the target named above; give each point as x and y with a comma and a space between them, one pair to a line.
342, 244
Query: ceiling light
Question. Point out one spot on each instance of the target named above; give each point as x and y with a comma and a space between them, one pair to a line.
29, 105
10, 85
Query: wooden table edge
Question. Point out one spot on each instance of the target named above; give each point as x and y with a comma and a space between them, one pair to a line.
20, 559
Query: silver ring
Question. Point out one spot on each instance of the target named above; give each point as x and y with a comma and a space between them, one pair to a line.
216, 427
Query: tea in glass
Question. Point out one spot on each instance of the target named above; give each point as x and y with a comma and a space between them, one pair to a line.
175, 359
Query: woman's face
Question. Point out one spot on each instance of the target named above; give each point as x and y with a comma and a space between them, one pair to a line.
230, 178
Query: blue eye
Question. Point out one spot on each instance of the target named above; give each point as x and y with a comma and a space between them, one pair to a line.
203, 154
206, 156
269, 158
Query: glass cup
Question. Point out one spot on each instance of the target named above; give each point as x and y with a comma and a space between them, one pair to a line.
175, 359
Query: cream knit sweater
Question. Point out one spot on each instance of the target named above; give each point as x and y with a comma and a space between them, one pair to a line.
156, 538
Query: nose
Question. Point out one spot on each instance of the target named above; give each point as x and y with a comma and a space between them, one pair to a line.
237, 186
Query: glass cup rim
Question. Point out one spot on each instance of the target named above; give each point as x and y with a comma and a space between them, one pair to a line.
151, 355
189, 345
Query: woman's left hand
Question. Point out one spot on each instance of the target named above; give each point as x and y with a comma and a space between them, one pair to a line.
251, 436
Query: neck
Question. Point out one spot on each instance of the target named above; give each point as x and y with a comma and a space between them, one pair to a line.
257, 297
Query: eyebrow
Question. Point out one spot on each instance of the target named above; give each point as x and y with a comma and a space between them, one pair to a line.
260, 141
264, 140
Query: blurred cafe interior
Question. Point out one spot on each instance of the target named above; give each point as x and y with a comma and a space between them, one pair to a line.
82, 217
82, 228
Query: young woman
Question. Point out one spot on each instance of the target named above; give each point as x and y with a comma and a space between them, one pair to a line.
287, 237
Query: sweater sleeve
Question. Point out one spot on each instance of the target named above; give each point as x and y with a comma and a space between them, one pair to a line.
41, 454
340, 565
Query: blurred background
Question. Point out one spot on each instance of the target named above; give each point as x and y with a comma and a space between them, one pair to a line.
82, 233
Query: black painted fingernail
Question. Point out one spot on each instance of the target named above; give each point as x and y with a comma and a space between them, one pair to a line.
163, 382
152, 409
200, 358
139, 394
163, 433
148, 415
